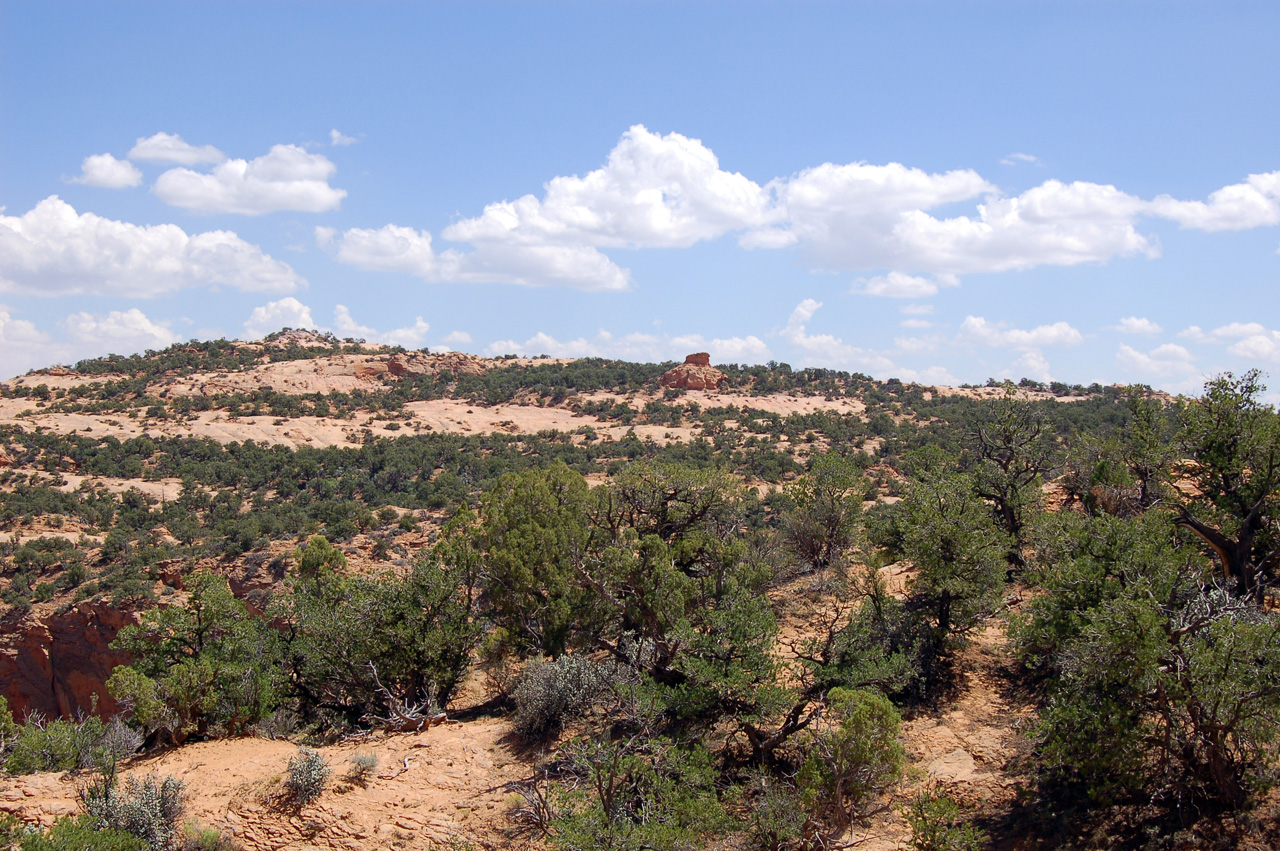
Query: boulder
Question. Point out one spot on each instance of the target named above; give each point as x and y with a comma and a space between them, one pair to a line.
696, 373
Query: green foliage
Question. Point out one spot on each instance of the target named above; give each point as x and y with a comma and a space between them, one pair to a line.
1013, 447
937, 824
319, 555
827, 507
641, 793
851, 754
957, 551
83, 833
547, 692
534, 537
149, 808
1234, 439
204, 665
58, 745
308, 774
354, 644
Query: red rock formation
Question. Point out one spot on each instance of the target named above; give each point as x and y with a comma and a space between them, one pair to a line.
56, 664
696, 373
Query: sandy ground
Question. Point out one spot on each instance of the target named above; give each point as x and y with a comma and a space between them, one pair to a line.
447, 781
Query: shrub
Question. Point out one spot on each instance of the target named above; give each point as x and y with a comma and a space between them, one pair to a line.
853, 754
54, 745
308, 775
362, 767
208, 839
81, 834
547, 692
150, 808
936, 824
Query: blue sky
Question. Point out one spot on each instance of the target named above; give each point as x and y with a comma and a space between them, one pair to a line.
942, 192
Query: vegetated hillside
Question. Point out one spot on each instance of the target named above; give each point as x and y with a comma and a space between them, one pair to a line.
556, 603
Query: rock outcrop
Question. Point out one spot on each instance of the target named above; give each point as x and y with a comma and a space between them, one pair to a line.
696, 373
56, 664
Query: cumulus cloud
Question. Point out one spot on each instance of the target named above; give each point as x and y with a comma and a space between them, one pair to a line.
902, 285
978, 331
338, 140
170, 148
1240, 206
637, 347
119, 332
412, 337
274, 315
1137, 325
1032, 364
1251, 340
53, 251
1167, 361
400, 249
670, 191
915, 323
654, 191
24, 347
106, 171
458, 338
286, 178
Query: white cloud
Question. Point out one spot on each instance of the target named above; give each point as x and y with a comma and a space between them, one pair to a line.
827, 350
286, 178
978, 331
915, 345
170, 148
1018, 158
274, 315
916, 309
1137, 325
638, 347
902, 285
915, 323
1032, 364
412, 337
1252, 340
24, 347
669, 191
1240, 206
654, 191
400, 249
1169, 360
119, 332
108, 172
338, 140
458, 338
53, 251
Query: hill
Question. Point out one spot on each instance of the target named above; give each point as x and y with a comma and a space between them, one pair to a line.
721, 565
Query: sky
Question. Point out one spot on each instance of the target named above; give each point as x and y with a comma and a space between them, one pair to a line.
941, 192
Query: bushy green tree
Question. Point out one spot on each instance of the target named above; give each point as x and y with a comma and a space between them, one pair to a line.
1013, 447
827, 505
204, 664
1233, 438
957, 552
356, 644
533, 535
851, 754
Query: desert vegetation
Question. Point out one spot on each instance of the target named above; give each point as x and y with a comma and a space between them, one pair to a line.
716, 641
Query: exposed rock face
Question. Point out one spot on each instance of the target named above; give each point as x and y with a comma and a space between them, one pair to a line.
418, 363
696, 373
54, 665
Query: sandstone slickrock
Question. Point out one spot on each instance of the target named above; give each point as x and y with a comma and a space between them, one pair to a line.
696, 373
